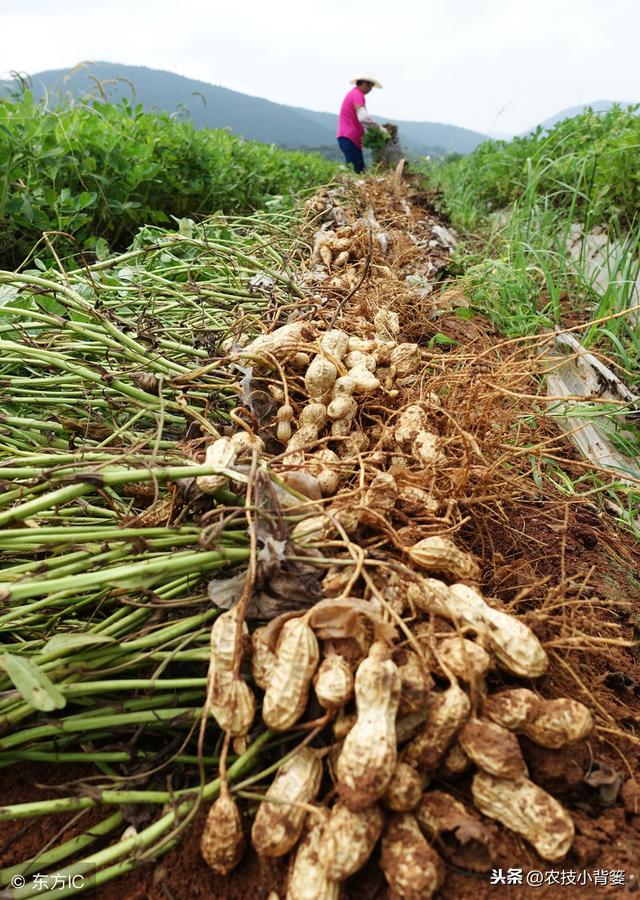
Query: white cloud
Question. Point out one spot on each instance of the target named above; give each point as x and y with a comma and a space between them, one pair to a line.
488, 64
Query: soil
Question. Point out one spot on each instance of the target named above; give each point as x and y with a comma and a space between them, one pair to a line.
564, 566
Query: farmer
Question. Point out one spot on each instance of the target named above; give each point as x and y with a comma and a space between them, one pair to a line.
353, 120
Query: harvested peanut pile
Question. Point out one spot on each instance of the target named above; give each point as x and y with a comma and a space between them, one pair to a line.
445, 644
445, 682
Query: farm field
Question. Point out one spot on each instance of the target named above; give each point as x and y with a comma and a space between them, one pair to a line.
287, 507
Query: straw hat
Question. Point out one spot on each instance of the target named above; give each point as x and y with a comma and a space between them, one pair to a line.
372, 78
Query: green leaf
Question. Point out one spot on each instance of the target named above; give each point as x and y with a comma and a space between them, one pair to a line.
72, 641
32, 684
441, 338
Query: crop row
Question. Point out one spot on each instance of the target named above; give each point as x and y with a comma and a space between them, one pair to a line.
98, 172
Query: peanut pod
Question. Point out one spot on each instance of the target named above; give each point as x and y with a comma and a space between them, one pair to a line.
412, 868
526, 809
230, 699
514, 645
365, 765
308, 879
447, 712
404, 790
333, 682
439, 554
492, 748
222, 841
279, 821
297, 656
348, 839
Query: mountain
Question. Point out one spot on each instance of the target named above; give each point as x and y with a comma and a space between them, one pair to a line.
597, 106
211, 106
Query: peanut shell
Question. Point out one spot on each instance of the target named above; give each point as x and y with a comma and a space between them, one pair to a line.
412, 868
492, 748
297, 657
558, 723
368, 757
222, 841
308, 879
348, 840
404, 790
439, 554
526, 809
447, 712
333, 682
279, 822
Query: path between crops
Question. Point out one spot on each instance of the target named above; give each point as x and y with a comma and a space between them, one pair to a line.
562, 566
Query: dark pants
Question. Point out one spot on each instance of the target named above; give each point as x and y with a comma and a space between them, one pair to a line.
352, 154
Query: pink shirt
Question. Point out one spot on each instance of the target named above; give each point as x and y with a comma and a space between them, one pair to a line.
348, 124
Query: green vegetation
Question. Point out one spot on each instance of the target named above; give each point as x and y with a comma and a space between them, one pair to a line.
113, 383
520, 206
212, 106
99, 172
523, 200
588, 166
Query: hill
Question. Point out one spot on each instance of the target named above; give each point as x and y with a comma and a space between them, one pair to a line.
598, 106
212, 106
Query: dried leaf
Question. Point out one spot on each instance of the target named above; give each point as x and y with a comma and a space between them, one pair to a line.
607, 781
325, 614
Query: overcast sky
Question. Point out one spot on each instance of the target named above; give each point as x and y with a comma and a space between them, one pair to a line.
491, 65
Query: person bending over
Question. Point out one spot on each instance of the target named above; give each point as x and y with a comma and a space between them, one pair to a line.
354, 119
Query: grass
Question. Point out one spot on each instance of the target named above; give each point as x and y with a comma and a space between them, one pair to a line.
518, 207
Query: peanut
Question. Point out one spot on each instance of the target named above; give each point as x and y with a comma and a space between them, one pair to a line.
230, 699
439, 554
366, 763
262, 659
415, 680
314, 415
526, 809
411, 421
558, 723
308, 879
456, 762
293, 333
411, 867
222, 452
514, 645
492, 748
333, 682
404, 790
467, 660
386, 323
550, 723
319, 377
280, 819
335, 342
511, 708
222, 841
362, 360
382, 492
415, 501
446, 713
342, 407
364, 381
348, 840
406, 358
297, 656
